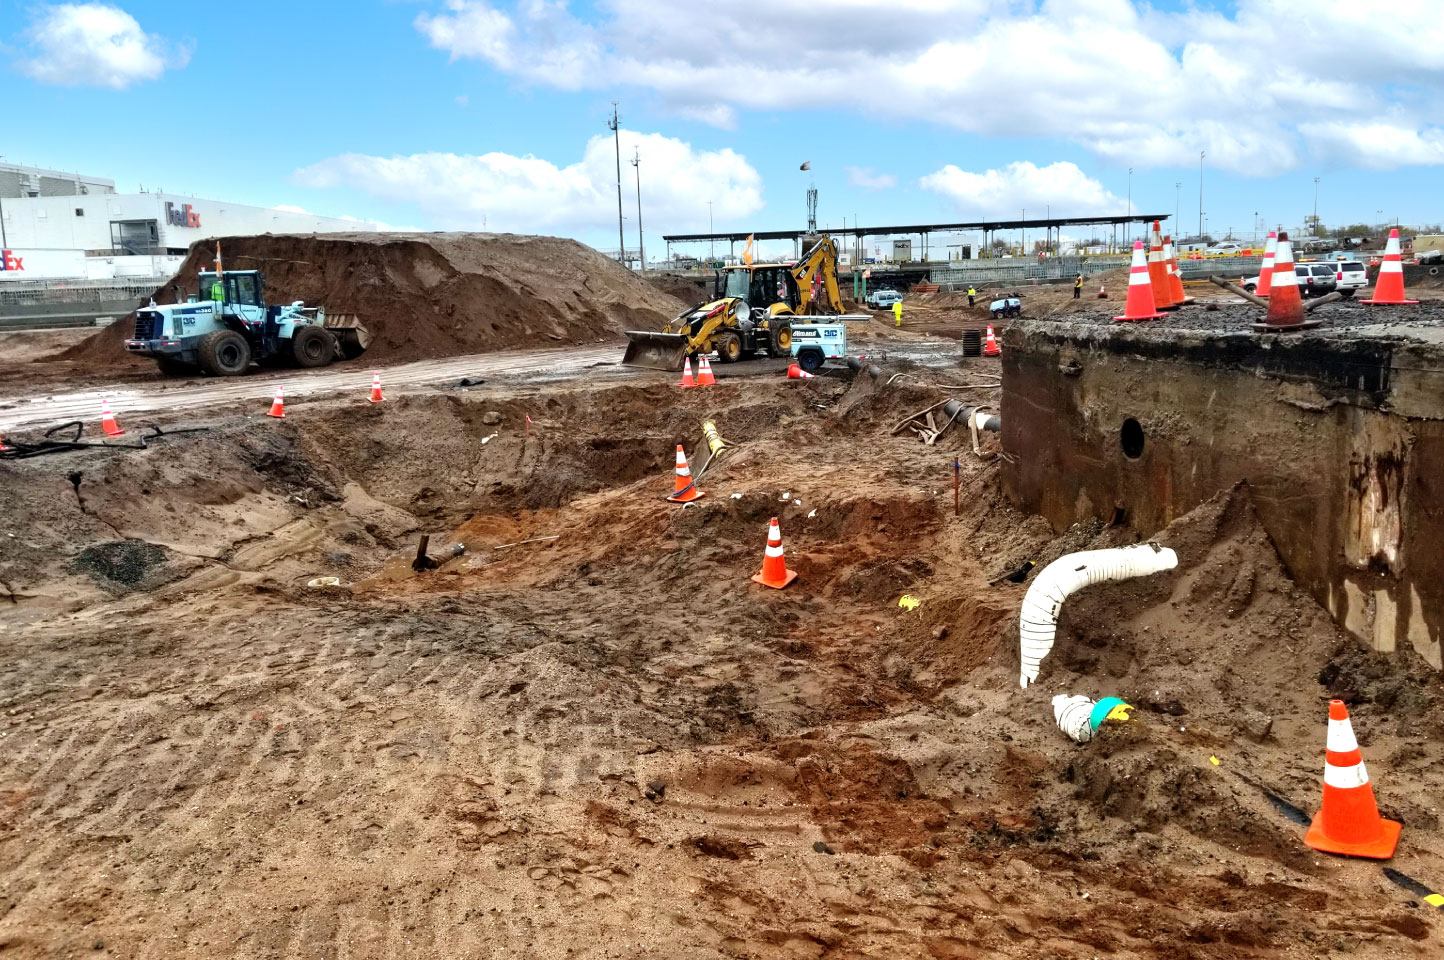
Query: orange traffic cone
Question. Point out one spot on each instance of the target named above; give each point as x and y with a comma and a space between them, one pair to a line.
795, 372
1102, 291
1140, 291
704, 372
376, 396
107, 420
686, 489
990, 346
687, 380
1349, 821
1265, 276
1175, 279
774, 567
1286, 307
278, 408
1389, 284
1158, 272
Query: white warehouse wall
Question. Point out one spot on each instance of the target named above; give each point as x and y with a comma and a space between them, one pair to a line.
52, 223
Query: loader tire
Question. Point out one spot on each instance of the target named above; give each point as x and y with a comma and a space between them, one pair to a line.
728, 346
225, 353
312, 347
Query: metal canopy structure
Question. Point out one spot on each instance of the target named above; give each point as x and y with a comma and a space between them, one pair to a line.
988, 226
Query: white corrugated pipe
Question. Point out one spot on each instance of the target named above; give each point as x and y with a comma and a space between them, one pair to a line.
1074, 716
1068, 575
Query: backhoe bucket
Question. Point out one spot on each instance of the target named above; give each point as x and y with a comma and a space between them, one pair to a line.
660, 351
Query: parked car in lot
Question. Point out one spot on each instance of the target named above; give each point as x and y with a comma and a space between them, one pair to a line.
1226, 249
1315, 279
883, 299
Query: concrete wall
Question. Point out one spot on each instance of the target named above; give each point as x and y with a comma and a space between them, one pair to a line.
52, 223
1341, 440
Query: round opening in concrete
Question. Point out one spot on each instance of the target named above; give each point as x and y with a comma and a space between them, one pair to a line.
1131, 436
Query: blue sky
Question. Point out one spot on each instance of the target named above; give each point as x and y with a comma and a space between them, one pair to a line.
457, 113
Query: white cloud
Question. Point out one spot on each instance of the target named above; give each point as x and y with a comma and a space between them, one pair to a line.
531, 195
1135, 85
96, 44
865, 179
997, 193
1377, 146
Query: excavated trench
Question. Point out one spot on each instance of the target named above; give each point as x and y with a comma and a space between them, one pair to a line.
590, 732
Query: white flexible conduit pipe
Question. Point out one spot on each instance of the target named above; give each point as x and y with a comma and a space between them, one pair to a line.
1068, 575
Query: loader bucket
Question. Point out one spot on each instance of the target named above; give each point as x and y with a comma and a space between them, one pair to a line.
350, 333
660, 351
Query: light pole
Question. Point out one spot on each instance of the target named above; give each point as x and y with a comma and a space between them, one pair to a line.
641, 247
712, 241
1200, 196
1316, 206
1024, 242
1130, 194
615, 125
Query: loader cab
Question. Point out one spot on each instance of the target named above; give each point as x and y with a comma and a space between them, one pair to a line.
761, 285
243, 292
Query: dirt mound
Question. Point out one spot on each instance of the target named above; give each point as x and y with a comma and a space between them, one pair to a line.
690, 290
428, 295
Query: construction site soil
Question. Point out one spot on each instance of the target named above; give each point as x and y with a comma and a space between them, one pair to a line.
590, 735
426, 295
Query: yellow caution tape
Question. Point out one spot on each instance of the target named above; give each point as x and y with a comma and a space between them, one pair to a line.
1435, 900
1120, 712
909, 602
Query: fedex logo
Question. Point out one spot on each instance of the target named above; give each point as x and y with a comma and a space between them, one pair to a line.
182, 216
8, 261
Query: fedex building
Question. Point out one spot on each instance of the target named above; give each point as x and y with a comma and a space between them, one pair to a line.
63, 226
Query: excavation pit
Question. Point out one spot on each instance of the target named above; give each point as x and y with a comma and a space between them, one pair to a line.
612, 741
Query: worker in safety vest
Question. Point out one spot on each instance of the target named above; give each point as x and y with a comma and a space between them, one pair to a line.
1078, 286
971, 294
897, 313
217, 291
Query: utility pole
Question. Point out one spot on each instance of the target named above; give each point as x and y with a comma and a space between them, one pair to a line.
1316, 206
614, 124
1200, 196
641, 247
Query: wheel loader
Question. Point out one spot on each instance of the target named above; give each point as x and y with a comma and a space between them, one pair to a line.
227, 324
752, 310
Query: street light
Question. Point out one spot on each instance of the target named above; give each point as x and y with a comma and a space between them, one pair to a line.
712, 241
1200, 196
1316, 206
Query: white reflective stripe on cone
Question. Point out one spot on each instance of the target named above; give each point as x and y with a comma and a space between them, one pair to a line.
684, 471
774, 551
1341, 736
1346, 778
1391, 266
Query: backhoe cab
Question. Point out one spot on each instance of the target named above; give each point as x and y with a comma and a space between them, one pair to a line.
753, 309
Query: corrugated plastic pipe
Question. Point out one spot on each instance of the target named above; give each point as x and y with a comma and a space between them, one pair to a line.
1072, 573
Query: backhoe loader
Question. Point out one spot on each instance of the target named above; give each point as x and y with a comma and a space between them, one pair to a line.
752, 309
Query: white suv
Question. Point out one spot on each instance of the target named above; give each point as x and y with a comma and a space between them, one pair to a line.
1350, 275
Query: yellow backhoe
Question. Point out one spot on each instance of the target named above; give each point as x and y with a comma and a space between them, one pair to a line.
752, 309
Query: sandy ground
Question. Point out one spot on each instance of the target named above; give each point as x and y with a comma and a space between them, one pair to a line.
590, 735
